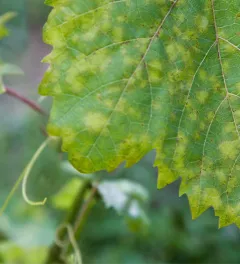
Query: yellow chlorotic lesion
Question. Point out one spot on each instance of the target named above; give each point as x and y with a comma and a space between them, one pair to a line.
154, 76
229, 149
237, 85
201, 23
121, 18
156, 105
105, 64
221, 176
210, 116
197, 136
212, 196
202, 74
95, 121
117, 34
156, 64
202, 125
193, 116
90, 35
237, 117
229, 128
202, 96
180, 18
130, 61
143, 84
108, 103
227, 47
226, 66
122, 105
232, 183
171, 50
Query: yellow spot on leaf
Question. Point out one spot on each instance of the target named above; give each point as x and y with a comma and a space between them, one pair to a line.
229, 149
202, 96
95, 121
201, 22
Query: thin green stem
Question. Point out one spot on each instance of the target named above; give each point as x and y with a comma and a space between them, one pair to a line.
55, 252
83, 214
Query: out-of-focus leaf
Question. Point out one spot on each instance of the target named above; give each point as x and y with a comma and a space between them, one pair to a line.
65, 197
128, 199
13, 46
2, 89
6, 69
136, 216
12, 254
10, 69
35, 220
3, 20
3, 236
117, 194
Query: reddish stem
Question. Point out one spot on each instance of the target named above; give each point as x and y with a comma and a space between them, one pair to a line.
26, 101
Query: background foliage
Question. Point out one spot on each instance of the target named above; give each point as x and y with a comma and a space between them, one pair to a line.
168, 236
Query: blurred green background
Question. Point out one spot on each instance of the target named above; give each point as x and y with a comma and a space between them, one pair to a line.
163, 232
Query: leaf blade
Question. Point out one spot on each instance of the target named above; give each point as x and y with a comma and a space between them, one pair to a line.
136, 82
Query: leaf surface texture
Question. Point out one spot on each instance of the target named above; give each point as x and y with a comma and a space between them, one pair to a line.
129, 76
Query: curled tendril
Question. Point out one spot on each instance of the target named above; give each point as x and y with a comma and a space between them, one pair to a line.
64, 244
27, 171
24, 177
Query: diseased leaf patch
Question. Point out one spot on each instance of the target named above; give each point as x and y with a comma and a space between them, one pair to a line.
130, 76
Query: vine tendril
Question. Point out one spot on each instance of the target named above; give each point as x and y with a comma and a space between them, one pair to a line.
24, 177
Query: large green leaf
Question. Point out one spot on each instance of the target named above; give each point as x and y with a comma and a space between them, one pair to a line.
129, 76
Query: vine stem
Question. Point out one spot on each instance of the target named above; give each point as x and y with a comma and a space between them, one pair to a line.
84, 211
25, 100
76, 218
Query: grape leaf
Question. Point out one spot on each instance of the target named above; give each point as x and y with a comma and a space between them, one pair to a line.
129, 76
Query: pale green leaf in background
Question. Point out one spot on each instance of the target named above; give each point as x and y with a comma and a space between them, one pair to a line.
117, 194
6, 69
2, 89
65, 197
129, 76
127, 198
11, 253
3, 20
10, 69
